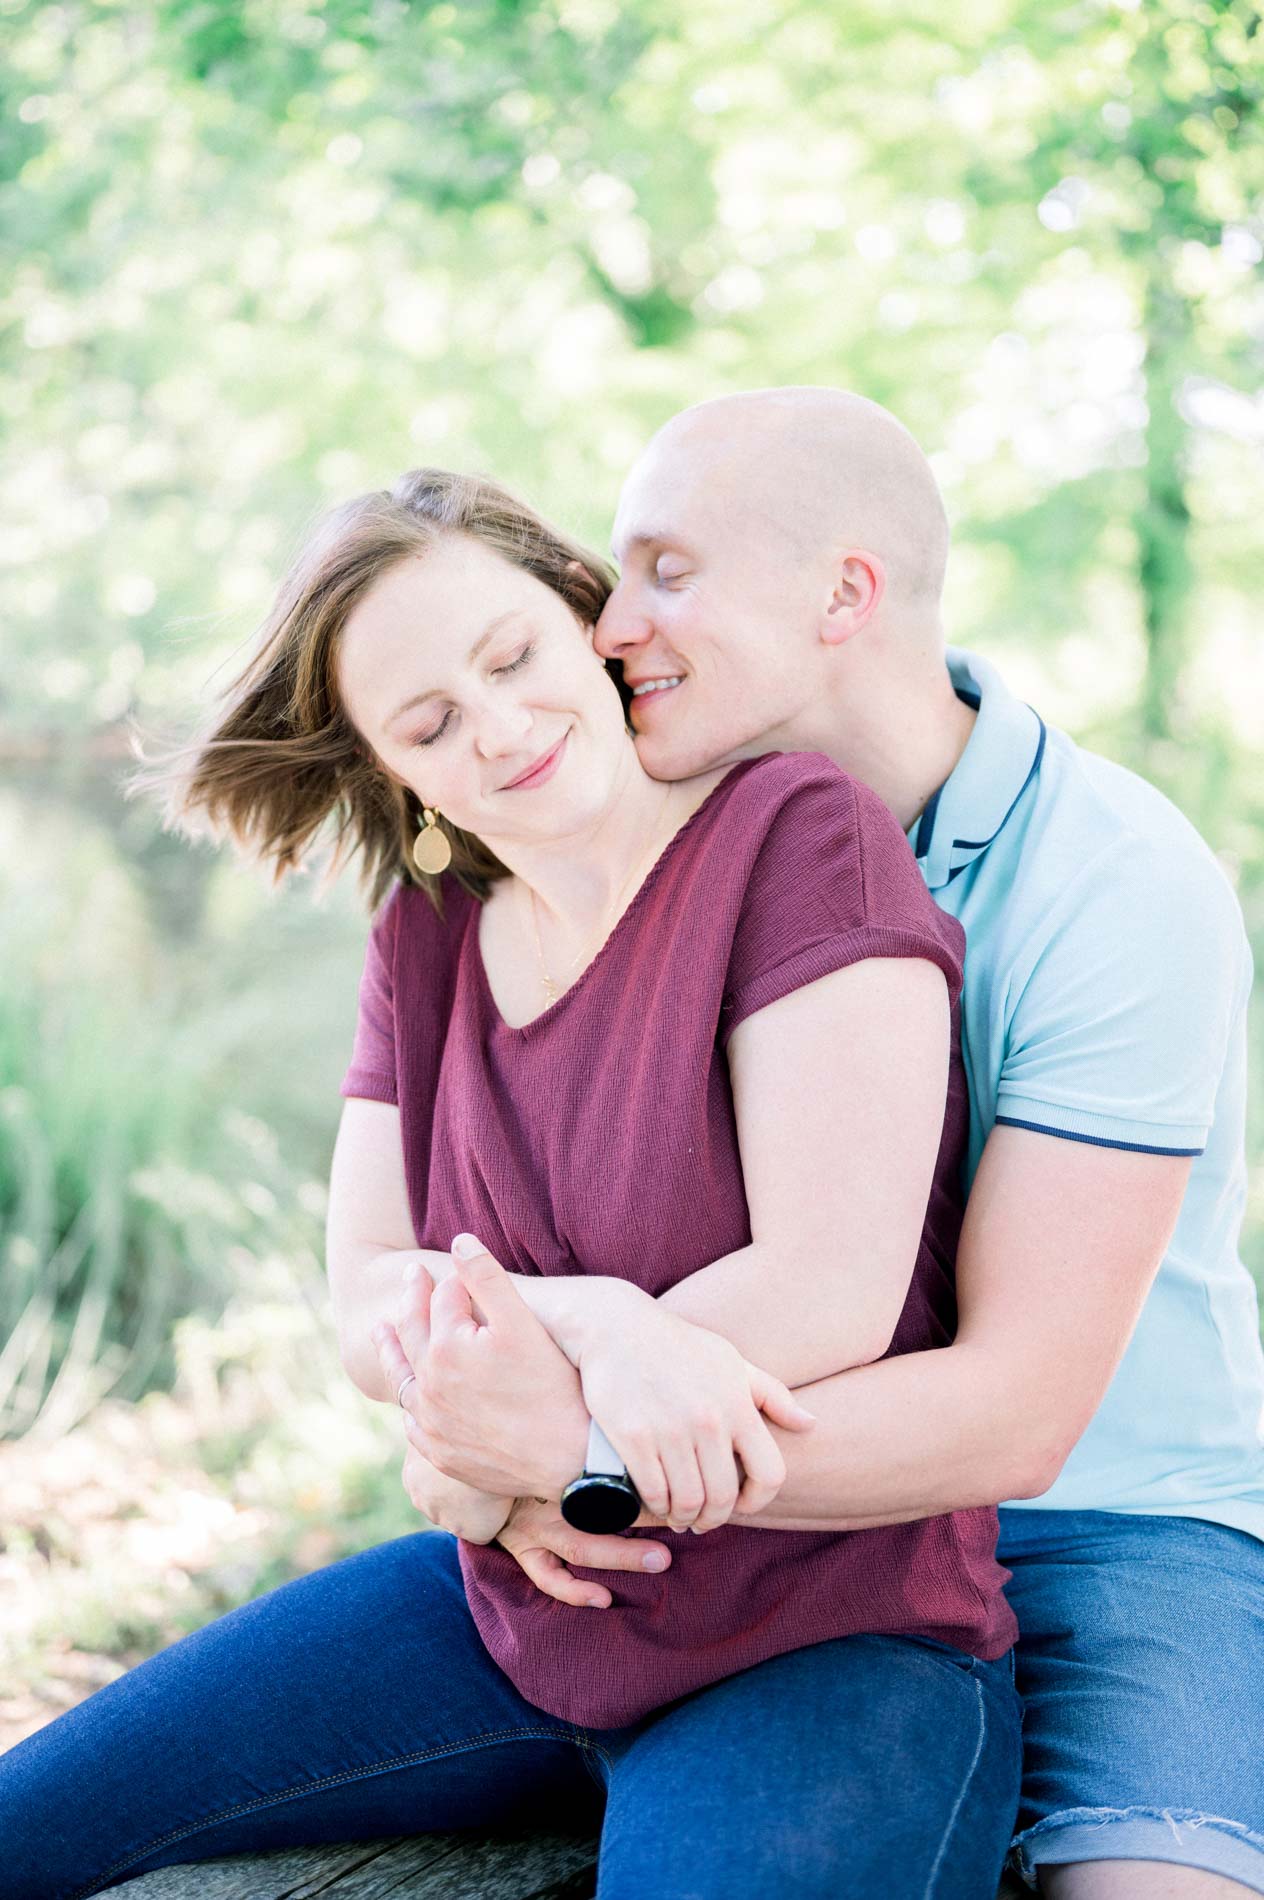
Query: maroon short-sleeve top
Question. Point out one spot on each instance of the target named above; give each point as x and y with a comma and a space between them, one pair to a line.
600, 1138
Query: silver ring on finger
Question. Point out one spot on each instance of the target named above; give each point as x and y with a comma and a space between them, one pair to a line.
399, 1396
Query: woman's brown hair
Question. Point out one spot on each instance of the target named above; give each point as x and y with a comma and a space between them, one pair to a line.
280, 762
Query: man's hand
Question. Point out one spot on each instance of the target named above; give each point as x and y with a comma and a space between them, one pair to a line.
497, 1405
543, 1544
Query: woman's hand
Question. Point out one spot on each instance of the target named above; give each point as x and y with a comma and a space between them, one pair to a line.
497, 1406
682, 1407
678, 1402
477, 1516
540, 1540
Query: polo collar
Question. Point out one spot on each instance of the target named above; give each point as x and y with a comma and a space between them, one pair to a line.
1002, 756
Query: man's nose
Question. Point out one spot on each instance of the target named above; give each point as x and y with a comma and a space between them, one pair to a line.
620, 627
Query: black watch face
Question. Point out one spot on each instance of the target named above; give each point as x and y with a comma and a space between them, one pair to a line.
600, 1505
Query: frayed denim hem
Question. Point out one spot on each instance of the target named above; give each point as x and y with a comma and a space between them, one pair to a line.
1179, 1835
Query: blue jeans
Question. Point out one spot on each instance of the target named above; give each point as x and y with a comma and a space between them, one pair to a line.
1141, 1667
359, 1702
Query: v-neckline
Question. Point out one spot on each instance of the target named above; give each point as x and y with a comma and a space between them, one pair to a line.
551, 1010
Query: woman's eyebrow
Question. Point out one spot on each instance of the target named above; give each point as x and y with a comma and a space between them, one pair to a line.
489, 632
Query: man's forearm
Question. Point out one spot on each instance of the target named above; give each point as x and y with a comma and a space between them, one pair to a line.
901, 1438
909, 1437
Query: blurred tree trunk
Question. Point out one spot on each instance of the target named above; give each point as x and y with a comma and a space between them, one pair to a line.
1164, 569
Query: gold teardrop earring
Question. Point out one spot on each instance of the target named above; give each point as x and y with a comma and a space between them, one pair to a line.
432, 849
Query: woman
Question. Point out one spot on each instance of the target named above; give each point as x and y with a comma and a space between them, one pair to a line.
645, 1031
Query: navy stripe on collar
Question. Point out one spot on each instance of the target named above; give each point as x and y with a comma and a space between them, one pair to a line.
981, 844
926, 828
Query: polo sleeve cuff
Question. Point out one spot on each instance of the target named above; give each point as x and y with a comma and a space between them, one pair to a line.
1103, 1131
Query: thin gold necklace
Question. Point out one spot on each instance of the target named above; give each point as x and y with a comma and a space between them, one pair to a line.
554, 986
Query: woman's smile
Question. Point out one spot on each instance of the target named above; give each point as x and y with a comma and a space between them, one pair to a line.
543, 769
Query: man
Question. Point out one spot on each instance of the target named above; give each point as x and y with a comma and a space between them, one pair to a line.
782, 557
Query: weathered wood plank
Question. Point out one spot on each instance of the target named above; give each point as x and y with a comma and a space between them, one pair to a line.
422, 1867
465, 1866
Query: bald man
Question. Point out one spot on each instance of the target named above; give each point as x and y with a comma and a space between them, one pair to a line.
782, 559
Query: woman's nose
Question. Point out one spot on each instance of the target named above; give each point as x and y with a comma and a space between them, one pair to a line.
502, 729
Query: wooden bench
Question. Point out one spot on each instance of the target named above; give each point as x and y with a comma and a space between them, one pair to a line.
422, 1867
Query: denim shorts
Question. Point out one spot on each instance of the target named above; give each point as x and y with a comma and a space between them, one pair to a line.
1141, 1666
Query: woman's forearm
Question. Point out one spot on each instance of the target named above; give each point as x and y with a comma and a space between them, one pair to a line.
365, 1290
774, 1305
788, 1310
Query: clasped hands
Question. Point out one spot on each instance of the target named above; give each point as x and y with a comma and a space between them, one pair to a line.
497, 1419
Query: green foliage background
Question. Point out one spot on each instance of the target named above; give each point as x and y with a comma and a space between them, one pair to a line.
256, 258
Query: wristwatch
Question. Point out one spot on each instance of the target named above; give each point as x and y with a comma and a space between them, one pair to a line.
602, 1498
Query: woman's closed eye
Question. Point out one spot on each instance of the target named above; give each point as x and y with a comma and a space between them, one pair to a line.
428, 738
510, 666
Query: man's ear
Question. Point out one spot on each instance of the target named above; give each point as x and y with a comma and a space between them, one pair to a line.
857, 595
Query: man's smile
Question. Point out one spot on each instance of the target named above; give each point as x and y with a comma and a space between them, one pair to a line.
647, 691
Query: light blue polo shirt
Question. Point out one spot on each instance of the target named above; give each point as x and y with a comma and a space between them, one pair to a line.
1106, 983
